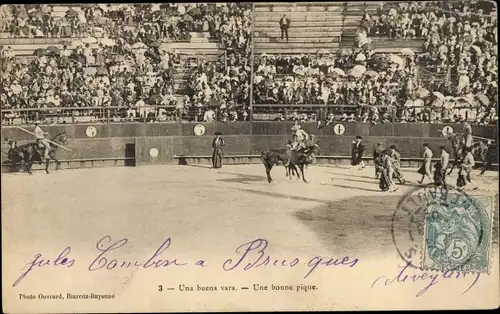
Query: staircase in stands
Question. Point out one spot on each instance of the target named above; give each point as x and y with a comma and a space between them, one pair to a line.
313, 26
354, 13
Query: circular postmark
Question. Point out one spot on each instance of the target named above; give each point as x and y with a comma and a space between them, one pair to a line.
199, 129
153, 152
442, 229
447, 130
339, 129
91, 131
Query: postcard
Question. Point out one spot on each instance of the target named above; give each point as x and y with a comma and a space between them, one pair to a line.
305, 156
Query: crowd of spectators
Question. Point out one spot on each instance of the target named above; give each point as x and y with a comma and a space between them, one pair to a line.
83, 79
229, 23
127, 67
225, 88
124, 63
27, 20
366, 87
460, 48
353, 81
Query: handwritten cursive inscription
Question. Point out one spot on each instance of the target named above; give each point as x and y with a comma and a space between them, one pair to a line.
428, 278
39, 261
253, 255
106, 246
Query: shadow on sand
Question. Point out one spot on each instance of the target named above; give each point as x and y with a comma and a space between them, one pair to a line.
352, 225
350, 187
242, 178
284, 196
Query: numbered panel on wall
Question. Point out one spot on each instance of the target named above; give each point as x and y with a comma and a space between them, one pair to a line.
447, 130
199, 129
91, 131
339, 129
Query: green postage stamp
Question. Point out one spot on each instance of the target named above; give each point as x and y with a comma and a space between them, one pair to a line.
458, 232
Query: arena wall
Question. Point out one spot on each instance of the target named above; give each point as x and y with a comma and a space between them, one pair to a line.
243, 138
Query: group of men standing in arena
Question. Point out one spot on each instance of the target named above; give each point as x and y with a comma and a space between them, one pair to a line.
388, 163
466, 163
387, 167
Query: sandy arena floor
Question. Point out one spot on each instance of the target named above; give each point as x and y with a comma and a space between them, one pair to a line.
341, 211
235, 200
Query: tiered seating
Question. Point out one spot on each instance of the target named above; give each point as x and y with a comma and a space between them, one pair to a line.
189, 54
354, 13
25, 47
314, 26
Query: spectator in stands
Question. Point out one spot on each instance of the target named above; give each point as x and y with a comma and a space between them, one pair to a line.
459, 44
209, 115
284, 25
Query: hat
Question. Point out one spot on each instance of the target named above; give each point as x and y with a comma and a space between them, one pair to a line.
392, 146
379, 144
359, 137
37, 122
217, 133
442, 147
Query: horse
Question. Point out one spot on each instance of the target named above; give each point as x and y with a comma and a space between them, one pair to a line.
26, 155
479, 151
300, 158
274, 157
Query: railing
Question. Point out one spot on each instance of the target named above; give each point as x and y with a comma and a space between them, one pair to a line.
321, 159
77, 163
321, 110
107, 114
173, 113
72, 115
205, 159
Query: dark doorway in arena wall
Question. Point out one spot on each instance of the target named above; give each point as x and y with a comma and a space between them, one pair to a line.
130, 153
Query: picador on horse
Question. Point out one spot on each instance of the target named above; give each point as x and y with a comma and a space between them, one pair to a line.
300, 145
298, 153
43, 149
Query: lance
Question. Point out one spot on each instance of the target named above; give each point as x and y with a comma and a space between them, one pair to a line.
483, 138
20, 128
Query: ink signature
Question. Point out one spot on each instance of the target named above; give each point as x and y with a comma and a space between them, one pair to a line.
430, 279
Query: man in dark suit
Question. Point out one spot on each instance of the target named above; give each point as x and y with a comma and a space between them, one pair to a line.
377, 159
218, 151
284, 25
357, 152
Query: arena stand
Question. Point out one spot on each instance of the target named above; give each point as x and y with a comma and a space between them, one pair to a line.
206, 71
374, 37
92, 43
444, 63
